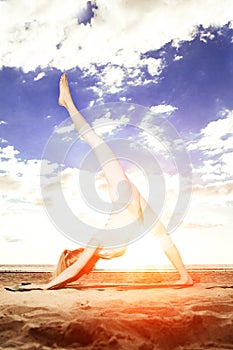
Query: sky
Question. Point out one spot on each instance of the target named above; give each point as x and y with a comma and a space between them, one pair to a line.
173, 62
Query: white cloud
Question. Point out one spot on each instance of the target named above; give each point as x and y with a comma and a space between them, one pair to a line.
96, 89
154, 143
2, 122
221, 170
107, 125
215, 142
154, 66
209, 212
211, 171
64, 129
161, 137
224, 188
119, 33
205, 36
19, 181
8, 152
163, 109
39, 76
226, 161
112, 78
216, 137
178, 57
136, 76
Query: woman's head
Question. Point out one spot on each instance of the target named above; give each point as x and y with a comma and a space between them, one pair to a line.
67, 258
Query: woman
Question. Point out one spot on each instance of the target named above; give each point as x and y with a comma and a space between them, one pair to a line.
134, 205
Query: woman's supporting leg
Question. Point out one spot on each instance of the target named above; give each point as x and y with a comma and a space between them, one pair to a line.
171, 251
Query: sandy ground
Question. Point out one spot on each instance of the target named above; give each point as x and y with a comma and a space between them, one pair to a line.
125, 316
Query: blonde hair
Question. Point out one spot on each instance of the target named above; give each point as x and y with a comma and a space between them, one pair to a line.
67, 258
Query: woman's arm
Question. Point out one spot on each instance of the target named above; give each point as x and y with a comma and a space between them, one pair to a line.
72, 271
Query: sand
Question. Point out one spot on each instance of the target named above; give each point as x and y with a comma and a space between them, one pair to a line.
132, 316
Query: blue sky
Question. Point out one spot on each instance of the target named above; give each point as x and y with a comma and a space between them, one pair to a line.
174, 58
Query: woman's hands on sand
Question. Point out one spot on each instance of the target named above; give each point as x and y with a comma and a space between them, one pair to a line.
33, 286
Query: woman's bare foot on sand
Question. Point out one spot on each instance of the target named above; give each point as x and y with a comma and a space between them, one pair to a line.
184, 281
65, 98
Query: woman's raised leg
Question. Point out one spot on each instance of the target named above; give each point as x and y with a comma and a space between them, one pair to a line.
110, 165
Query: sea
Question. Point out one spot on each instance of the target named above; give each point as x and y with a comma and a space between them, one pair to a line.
157, 268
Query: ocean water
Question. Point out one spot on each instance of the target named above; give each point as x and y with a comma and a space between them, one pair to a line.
51, 268
27, 268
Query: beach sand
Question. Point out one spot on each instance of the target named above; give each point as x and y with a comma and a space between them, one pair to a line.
133, 314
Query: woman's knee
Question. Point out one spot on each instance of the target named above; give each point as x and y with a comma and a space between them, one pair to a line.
164, 240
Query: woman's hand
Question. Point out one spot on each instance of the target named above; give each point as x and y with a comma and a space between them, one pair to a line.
32, 286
